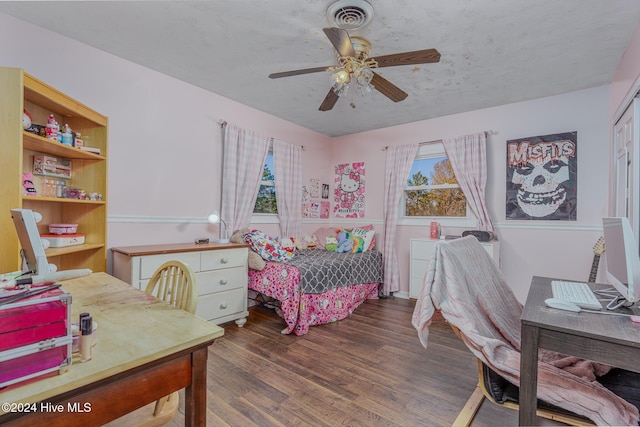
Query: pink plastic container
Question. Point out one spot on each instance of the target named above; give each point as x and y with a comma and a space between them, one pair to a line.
63, 228
35, 336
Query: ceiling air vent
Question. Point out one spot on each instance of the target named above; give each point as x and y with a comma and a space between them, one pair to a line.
350, 14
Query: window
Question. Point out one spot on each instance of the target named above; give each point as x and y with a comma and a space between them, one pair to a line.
432, 191
266, 201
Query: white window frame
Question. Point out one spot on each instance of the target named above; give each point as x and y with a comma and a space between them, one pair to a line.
430, 151
266, 218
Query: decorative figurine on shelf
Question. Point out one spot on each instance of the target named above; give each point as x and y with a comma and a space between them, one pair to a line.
52, 128
26, 120
67, 137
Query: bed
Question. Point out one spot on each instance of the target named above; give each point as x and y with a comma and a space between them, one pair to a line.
318, 286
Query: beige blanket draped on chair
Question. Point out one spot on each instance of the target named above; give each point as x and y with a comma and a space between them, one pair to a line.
463, 282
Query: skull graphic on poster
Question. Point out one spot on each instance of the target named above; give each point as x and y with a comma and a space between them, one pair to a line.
541, 177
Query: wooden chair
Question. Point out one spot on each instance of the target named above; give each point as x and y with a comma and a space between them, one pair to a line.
173, 282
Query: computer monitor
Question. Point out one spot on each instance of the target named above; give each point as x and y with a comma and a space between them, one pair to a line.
34, 258
621, 257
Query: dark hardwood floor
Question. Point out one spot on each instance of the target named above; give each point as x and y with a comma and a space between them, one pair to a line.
367, 370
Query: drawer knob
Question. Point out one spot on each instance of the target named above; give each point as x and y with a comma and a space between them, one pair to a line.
224, 260
223, 281
223, 306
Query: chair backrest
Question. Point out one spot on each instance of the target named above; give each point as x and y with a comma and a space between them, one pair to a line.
174, 282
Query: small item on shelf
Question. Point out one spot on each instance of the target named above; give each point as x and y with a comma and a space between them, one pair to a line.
26, 120
51, 166
63, 240
37, 129
90, 149
67, 137
28, 189
52, 128
78, 142
63, 228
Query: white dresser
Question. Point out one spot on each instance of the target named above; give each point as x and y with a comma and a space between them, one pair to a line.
220, 269
420, 253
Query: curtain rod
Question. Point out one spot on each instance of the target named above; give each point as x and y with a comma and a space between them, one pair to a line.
486, 133
223, 123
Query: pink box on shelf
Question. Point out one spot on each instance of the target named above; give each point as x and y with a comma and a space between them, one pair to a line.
35, 336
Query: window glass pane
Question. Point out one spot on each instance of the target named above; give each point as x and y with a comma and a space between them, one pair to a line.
266, 201
442, 202
431, 199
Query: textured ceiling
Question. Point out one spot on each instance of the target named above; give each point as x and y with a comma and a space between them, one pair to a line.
494, 52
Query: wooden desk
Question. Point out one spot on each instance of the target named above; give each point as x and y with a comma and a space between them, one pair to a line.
146, 349
613, 340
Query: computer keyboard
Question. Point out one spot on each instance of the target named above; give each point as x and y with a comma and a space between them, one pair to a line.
577, 292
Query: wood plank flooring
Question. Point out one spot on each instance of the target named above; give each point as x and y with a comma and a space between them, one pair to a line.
367, 370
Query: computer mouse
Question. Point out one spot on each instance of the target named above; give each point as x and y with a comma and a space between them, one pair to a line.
562, 304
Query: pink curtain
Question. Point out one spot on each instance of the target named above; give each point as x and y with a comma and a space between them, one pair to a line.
468, 158
287, 166
244, 156
398, 166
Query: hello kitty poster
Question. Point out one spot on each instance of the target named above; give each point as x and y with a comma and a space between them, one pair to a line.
349, 190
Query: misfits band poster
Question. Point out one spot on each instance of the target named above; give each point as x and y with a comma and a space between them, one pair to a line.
542, 177
349, 191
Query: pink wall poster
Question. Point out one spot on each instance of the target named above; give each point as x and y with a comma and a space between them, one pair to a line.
349, 190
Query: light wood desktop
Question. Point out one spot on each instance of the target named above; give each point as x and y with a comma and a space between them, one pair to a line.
145, 349
613, 340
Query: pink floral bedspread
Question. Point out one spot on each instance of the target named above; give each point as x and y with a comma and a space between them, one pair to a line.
300, 310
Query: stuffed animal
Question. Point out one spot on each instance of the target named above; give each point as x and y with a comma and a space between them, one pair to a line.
311, 241
255, 261
287, 244
345, 242
331, 243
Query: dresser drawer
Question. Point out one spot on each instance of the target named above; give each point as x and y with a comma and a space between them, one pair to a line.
149, 264
213, 260
220, 280
221, 304
421, 249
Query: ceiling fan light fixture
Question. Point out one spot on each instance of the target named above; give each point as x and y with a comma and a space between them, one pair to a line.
350, 14
341, 76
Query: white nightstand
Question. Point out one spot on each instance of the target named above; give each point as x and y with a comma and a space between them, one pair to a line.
220, 269
420, 252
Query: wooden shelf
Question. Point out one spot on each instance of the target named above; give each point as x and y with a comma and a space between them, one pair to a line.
62, 200
43, 145
52, 252
20, 91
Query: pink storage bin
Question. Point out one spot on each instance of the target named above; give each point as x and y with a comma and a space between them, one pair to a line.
35, 336
63, 228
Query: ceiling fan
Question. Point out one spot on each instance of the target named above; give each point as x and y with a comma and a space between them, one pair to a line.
354, 65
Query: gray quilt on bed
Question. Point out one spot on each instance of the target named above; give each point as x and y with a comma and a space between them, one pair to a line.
322, 270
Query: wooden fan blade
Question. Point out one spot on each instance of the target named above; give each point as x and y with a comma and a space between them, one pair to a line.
425, 56
387, 88
329, 101
340, 40
298, 72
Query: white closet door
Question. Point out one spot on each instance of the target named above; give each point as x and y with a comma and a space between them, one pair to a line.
627, 166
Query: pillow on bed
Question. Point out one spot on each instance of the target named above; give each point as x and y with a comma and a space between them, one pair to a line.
360, 231
267, 247
366, 236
